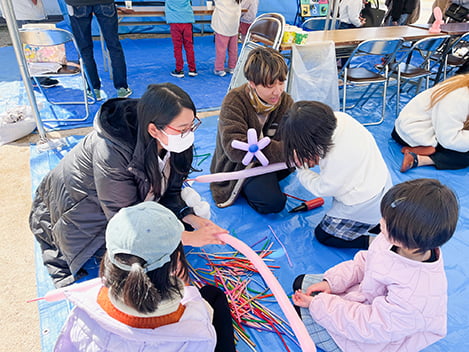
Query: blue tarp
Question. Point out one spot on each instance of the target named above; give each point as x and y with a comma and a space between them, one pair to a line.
296, 233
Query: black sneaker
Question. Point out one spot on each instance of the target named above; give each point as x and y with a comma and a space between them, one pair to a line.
193, 73
46, 82
177, 73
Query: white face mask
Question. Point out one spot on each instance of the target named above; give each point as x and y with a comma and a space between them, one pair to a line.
176, 143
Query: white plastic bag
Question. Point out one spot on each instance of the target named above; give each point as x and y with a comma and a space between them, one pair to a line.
15, 123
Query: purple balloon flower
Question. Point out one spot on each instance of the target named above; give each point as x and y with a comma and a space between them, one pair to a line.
253, 147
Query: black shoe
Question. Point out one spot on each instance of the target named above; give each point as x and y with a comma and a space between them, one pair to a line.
193, 73
47, 82
177, 73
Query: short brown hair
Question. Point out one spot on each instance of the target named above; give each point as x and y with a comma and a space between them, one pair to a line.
264, 66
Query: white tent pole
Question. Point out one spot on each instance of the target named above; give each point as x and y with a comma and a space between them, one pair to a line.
10, 18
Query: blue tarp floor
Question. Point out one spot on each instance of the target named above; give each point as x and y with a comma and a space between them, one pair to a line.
293, 230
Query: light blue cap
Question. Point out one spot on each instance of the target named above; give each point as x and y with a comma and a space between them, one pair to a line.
147, 230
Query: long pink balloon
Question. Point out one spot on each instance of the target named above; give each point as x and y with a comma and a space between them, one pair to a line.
59, 293
236, 175
306, 343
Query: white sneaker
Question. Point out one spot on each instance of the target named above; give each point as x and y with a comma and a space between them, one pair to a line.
124, 92
219, 73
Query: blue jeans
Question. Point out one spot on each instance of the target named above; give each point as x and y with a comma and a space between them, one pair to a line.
400, 22
106, 15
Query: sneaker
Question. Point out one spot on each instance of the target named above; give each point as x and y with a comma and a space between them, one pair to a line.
176, 73
230, 70
47, 82
124, 92
193, 73
219, 73
97, 94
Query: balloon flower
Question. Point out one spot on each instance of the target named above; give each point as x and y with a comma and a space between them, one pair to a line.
253, 147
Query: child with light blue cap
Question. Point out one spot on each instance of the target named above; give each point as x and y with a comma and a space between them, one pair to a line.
144, 302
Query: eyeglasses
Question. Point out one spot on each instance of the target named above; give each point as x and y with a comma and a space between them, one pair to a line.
195, 124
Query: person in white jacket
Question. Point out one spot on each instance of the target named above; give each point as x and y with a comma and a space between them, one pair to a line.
144, 302
350, 14
434, 127
352, 171
225, 24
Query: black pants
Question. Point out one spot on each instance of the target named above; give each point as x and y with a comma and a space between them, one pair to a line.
327, 239
221, 318
263, 192
444, 159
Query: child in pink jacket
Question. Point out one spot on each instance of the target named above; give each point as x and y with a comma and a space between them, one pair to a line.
392, 297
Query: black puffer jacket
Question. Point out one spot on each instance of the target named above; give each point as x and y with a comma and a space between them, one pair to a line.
99, 176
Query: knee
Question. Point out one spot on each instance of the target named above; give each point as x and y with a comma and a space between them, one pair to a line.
274, 203
322, 236
298, 283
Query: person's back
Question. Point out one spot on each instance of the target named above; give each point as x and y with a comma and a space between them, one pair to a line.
89, 324
142, 303
180, 17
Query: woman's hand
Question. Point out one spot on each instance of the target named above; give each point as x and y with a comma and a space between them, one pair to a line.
205, 232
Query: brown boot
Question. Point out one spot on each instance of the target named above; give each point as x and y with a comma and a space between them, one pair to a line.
409, 161
419, 150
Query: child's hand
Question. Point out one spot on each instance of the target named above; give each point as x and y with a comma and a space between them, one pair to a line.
301, 300
322, 286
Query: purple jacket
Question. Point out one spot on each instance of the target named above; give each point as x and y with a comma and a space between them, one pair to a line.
382, 301
90, 328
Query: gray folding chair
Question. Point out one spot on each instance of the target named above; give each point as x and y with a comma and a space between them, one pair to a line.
351, 73
415, 64
454, 55
266, 30
41, 37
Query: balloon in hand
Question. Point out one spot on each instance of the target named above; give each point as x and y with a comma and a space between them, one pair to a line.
253, 147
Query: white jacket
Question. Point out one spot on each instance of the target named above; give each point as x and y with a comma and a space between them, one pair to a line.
225, 18
353, 171
89, 328
419, 126
349, 12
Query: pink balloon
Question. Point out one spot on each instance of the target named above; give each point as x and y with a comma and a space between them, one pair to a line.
59, 293
236, 175
435, 28
296, 324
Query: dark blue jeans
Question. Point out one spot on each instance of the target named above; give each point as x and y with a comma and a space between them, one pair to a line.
106, 15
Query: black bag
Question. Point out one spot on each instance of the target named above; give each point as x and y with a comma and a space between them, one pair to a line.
457, 12
373, 15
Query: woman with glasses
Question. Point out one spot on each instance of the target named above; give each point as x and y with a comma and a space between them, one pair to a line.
139, 150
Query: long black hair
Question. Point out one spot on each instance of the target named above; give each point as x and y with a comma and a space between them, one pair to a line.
141, 290
307, 131
159, 105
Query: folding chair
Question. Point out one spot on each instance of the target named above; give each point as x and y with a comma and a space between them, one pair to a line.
266, 30
318, 24
454, 55
410, 67
46, 38
357, 74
